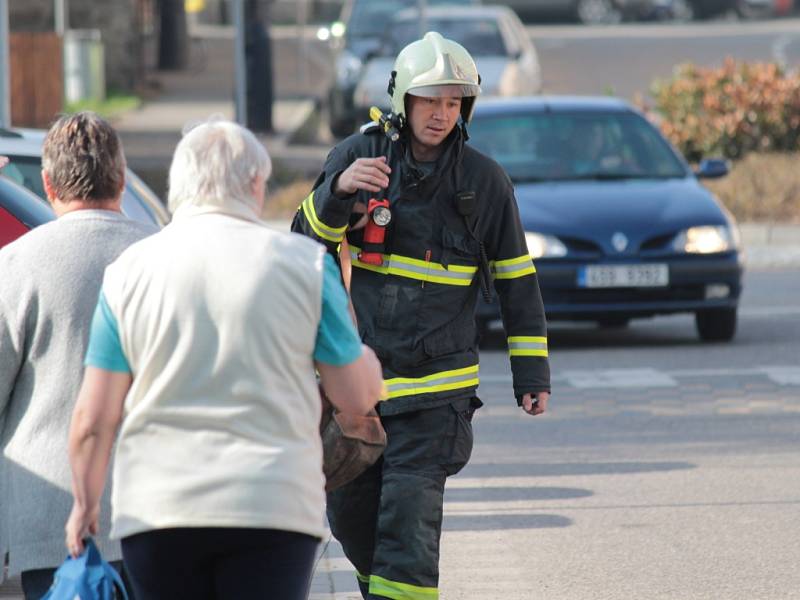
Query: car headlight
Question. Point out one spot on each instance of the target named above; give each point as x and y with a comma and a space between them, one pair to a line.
547, 246
706, 239
347, 68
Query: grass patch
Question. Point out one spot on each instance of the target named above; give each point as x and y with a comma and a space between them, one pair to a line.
113, 105
282, 202
762, 187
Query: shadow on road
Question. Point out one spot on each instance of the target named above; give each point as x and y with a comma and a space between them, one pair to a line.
499, 494
499, 522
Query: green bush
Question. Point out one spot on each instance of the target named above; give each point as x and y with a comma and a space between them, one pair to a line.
729, 111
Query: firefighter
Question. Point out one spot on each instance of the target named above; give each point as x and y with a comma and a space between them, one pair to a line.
450, 228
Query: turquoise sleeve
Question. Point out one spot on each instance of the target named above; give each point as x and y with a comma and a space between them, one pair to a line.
105, 349
338, 343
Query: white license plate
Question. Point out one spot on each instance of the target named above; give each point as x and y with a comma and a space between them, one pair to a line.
606, 276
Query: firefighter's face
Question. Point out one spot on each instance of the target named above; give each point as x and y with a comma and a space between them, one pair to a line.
432, 119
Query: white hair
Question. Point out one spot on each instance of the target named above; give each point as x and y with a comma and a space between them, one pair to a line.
215, 164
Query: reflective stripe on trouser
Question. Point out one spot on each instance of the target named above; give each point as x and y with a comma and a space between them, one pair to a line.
389, 519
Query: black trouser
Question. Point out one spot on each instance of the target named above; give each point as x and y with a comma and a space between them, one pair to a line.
389, 519
215, 563
36, 582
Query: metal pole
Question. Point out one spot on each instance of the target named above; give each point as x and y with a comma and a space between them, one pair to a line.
241, 64
61, 17
5, 78
422, 7
302, 18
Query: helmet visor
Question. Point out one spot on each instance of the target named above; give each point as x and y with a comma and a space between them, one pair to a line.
448, 90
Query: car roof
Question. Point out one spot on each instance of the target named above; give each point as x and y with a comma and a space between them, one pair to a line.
22, 142
571, 104
455, 11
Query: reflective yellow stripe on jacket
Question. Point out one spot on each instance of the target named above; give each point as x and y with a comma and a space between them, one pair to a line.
414, 268
332, 234
527, 345
400, 591
435, 382
512, 268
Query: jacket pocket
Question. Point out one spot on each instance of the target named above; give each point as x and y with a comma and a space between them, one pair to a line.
460, 247
456, 336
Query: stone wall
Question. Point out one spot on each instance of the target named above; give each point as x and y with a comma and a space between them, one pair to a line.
117, 21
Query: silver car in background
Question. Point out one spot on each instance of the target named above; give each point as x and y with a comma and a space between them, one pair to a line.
495, 37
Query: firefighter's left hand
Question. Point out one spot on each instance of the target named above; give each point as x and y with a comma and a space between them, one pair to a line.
535, 405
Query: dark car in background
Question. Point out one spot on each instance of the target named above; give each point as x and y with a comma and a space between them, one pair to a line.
354, 38
616, 221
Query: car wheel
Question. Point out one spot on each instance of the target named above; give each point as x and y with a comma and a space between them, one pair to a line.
716, 324
598, 12
613, 322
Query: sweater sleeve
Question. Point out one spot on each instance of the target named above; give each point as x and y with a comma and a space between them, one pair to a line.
521, 305
323, 216
11, 348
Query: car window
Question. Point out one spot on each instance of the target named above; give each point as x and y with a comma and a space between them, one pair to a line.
554, 146
481, 37
27, 172
369, 18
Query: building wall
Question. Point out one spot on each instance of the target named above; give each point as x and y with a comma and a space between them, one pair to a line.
117, 21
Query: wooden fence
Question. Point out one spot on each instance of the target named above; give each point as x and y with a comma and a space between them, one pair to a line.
37, 78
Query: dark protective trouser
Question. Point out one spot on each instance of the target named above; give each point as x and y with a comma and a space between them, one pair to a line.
389, 519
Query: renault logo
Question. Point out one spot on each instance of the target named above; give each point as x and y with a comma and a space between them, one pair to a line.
619, 241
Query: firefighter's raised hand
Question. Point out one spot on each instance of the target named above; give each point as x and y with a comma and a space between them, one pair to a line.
535, 405
370, 174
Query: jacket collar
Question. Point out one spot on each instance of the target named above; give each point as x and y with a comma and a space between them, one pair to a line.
233, 208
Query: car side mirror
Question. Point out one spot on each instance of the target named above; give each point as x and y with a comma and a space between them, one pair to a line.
712, 168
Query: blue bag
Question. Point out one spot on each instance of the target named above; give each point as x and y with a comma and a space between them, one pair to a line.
87, 577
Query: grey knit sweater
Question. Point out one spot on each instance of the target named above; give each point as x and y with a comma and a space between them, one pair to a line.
49, 283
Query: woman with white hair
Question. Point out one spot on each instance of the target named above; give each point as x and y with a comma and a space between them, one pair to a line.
203, 353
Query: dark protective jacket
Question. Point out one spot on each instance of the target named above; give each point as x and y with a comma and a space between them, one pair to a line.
417, 309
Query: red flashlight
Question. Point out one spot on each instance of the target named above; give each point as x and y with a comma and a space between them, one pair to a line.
379, 216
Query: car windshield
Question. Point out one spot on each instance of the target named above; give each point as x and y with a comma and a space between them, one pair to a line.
572, 146
481, 37
370, 17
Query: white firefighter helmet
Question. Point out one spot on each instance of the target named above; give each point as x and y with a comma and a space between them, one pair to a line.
434, 67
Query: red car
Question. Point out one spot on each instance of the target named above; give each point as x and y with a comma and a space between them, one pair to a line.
20, 211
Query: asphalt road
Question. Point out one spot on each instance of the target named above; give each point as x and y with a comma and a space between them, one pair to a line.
665, 469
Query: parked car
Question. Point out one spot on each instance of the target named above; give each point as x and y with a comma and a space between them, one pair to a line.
20, 211
24, 149
353, 39
616, 221
591, 12
506, 58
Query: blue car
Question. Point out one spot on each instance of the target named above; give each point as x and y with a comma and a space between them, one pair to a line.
616, 221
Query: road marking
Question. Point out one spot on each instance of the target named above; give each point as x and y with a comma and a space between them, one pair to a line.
784, 375
768, 311
617, 378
